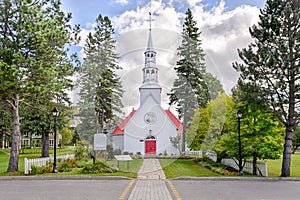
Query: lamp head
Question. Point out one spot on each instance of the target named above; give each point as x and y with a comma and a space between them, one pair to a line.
55, 112
239, 114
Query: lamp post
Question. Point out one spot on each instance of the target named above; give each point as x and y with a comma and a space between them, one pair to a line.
239, 116
55, 114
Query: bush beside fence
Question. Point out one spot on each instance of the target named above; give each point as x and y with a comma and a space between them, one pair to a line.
39, 162
262, 168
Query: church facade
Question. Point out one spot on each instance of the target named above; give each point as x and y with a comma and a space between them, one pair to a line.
148, 129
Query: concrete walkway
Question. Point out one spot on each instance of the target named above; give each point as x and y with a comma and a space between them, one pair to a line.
151, 183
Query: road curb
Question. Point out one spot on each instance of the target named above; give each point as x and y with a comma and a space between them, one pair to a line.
186, 178
10, 178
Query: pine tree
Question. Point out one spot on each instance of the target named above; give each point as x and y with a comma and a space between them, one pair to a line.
33, 58
189, 89
271, 66
100, 86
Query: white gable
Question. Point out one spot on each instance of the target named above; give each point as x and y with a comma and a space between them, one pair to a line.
137, 129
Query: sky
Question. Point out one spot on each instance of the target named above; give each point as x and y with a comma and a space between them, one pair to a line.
224, 26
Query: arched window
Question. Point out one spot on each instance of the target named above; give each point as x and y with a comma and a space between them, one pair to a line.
150, 137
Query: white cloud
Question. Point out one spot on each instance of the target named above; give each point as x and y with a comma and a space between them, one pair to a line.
223, 32
193, 3
123, 2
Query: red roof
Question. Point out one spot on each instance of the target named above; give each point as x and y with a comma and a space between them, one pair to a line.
176, 121
119, 129
173, 118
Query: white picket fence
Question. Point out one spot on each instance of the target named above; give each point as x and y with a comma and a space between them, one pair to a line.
262, 168
199, 153
39, 162
211, 154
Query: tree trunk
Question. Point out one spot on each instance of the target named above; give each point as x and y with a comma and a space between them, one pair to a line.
15, 136
254, 163
45, 144
287, 152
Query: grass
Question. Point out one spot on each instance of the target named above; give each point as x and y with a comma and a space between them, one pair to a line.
127, 169
172, 167
274, 166
176, 168
132, 166
26, 153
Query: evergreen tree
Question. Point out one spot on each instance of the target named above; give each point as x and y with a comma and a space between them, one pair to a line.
270, 66
189, 89
100, 86
33, 58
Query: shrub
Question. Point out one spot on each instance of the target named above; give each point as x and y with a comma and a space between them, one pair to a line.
67, 165
36, 170
80, 151
97, 168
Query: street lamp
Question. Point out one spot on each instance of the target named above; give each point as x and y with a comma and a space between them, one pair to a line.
239, 115
55, 114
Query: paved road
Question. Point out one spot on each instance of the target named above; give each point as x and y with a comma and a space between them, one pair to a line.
237, 190
62, 189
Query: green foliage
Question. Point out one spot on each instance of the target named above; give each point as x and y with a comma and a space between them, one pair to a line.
66, 165
189, 89
34, 62
67, 135
97, 168
194, 87
81, 151
41, 170
214, 85
270, 65
216, 167
101, 89
175, 141
260, 135
209, 123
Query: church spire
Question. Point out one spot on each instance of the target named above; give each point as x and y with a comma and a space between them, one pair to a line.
150, 69
150, 86
150, 44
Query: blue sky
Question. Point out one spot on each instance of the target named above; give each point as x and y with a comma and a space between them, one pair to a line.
224, 26
86, 11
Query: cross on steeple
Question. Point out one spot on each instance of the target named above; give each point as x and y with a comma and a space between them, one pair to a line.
150, 20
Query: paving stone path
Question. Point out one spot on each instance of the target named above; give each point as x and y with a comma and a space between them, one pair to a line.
151, 183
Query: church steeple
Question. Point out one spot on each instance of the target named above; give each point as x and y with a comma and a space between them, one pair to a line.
150, 84
150, 70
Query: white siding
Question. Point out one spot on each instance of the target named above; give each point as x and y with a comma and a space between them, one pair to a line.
137, 129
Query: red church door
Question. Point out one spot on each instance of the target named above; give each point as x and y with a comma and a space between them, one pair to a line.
150, 145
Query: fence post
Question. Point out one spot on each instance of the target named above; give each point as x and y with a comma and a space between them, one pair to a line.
25, 166
266, 168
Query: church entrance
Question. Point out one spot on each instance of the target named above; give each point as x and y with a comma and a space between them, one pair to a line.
150, 145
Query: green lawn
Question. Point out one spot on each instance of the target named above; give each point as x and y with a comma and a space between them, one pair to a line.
274, 166
26, 153
128, 169
176, 168
131, 166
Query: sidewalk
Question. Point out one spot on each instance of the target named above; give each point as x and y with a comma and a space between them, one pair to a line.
151, 183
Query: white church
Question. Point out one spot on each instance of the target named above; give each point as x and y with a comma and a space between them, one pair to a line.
148, 129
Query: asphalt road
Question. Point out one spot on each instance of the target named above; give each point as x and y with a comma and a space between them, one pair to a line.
62, 189
237, 190
110, 189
